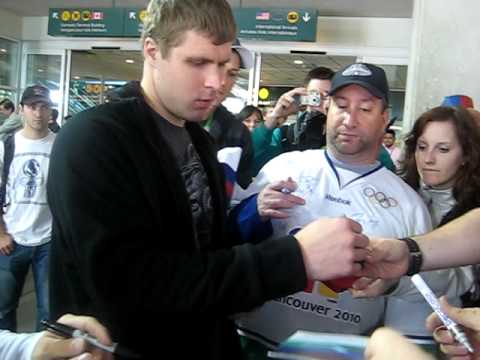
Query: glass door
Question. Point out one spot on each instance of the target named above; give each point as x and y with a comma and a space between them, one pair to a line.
94, 73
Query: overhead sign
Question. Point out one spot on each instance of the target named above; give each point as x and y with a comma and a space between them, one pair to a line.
133, 22
276, 24
86, 22
252, 23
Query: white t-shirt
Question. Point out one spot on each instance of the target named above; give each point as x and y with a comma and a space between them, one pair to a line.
17, 346
27, 215
385, 206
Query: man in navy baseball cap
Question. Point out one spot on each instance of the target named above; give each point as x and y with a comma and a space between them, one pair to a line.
34, 94
369, 76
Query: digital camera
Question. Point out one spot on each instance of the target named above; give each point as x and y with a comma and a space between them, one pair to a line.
312, 99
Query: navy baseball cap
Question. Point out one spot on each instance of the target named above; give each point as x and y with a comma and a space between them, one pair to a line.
34, 94
369, 76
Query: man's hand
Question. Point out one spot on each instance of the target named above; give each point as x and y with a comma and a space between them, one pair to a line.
387, 259
284, 107
51, 346
387, 344
7, 245
276, 197
332, 248
468, 318
367, 287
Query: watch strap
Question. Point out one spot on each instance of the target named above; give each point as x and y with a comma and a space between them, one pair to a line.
415, 260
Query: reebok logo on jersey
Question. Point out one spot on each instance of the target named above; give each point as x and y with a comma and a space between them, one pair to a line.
338, 200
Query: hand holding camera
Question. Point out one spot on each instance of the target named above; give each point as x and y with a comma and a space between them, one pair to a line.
291, 102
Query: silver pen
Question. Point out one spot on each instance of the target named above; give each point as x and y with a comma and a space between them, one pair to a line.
451, 325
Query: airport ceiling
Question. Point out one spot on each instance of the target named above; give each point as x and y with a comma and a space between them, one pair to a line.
276, 70
349, 8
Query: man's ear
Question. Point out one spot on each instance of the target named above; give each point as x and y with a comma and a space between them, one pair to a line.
151, 50
386, 117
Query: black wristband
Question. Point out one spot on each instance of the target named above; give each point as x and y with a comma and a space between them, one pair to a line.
415, 259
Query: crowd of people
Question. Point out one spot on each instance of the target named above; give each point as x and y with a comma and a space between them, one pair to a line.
124, 218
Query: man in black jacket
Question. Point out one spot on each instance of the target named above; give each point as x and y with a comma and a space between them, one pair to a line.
139, 206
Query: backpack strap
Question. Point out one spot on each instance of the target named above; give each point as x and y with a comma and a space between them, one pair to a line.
8, 152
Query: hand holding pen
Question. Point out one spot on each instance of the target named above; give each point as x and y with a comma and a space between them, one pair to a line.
84, 333
53, 345
468, 318
274, 201
448, 324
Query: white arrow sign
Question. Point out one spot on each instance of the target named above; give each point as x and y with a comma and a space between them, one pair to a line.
306, 17
132, 15
55, 15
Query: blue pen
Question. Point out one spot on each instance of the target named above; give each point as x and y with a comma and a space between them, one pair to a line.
70, 332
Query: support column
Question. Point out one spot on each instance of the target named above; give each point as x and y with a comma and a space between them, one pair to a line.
444, 55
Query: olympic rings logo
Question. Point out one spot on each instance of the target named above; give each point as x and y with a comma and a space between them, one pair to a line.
380, 198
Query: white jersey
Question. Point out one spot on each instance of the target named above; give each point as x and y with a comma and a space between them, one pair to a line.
27, 215
385, 206
17, 346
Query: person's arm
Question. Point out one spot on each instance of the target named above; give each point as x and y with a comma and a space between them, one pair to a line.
454, 244
451, 282
48, 346
13, 123
6, 242
7, 245
284, 107
251, 217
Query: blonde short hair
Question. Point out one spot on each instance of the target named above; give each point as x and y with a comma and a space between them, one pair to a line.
167, 21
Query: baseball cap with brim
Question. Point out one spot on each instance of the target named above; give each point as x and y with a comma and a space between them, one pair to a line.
246, 55
369, 76
34, 94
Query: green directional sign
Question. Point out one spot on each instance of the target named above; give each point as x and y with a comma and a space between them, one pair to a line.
253, 23
276, 24
86, 22
133, 22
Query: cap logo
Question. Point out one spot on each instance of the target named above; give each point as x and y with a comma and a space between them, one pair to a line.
357, 70
38, 91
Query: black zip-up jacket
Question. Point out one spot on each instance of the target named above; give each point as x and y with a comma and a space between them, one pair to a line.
123, 245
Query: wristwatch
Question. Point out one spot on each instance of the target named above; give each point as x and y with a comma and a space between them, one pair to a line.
416, 257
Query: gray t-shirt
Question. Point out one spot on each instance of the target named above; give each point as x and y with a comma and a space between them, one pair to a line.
194, 176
